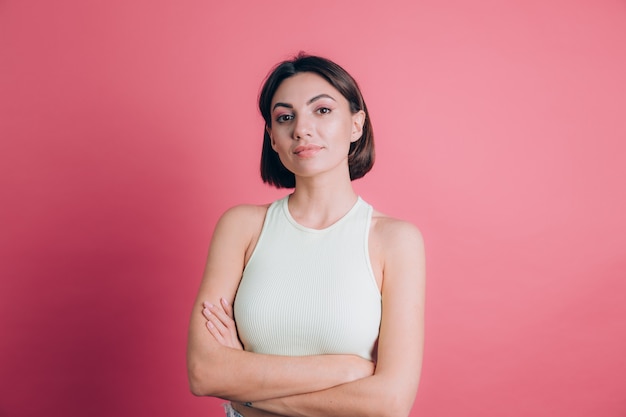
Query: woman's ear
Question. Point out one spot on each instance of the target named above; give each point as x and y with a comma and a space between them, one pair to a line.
358, 120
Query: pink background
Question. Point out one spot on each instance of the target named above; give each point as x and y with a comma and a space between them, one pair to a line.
127, 127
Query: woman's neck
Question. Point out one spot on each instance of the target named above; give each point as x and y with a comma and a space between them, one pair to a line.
318, 204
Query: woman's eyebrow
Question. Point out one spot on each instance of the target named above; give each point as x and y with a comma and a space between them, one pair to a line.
279, 104
314, 99
319, 96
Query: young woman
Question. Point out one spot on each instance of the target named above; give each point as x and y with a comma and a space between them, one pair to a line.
312, 305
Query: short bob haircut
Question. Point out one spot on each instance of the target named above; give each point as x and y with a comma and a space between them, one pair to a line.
361, 153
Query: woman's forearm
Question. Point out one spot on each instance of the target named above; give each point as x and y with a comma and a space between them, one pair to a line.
216, 370
252, 377
372, 396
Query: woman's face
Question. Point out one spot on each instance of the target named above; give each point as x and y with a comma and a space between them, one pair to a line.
312, 126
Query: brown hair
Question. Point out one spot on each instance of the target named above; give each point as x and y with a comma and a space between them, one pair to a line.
361, 153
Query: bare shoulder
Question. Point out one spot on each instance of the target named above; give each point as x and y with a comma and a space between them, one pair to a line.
240, 225
244, 214
398, 247
391, 232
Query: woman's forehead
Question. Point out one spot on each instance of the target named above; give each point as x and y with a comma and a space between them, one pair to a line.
304, 86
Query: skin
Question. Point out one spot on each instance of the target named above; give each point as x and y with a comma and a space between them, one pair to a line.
311, 131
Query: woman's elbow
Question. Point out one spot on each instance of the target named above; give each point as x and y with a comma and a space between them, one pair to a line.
197, 383
394, 404
201, 383
196, 389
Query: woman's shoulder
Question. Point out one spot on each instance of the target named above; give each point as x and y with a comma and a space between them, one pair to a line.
243, 215
248, 213
240, 226
242, 211
399, 246
390, 229
387, 224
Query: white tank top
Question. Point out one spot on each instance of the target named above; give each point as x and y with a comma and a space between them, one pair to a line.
308, 291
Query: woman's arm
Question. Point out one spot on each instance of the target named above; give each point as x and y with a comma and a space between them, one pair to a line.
220, 371
391, 390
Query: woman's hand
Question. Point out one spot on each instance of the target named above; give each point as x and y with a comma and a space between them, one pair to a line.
221, 323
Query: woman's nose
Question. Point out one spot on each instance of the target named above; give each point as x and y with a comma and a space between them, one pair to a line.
302, 128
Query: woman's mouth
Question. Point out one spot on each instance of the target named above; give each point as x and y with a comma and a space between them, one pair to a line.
306, 151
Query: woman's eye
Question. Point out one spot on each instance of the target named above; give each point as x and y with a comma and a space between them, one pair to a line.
323, 110
284, 118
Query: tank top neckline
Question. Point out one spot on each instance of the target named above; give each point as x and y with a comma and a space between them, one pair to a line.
284, 203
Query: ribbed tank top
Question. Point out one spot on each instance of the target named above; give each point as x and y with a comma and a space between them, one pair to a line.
307, 291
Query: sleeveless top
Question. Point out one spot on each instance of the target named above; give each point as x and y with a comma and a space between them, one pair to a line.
307, 291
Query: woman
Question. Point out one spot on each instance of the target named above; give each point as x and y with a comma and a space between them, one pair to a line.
325, 293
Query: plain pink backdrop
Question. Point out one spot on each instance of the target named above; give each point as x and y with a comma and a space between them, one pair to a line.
128, 127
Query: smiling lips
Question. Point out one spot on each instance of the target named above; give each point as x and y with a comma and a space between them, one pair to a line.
307, 151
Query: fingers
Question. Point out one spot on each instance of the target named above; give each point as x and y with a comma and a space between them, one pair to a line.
215, 332
213, 313
218, 319
227, 307
231, 325
221, 324
215, 325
